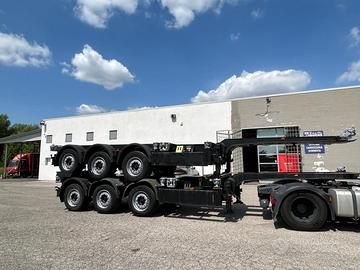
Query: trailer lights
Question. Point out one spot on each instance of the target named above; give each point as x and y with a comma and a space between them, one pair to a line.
162, 146
272, 200
207, 145
217, 182
170, 182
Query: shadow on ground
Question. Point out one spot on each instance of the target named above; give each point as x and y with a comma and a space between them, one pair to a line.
215, 214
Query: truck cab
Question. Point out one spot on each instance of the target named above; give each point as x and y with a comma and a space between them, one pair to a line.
23, 165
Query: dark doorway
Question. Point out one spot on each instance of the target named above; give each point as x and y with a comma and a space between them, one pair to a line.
250, 158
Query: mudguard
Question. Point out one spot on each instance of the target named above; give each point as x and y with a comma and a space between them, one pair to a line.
79, 150
152, 183
281, 191
104, 147
116, 183
131, 147
83, 182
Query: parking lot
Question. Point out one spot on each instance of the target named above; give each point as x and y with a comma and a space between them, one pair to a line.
37, 232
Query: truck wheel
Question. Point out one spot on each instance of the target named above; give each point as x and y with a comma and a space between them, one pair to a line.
99, 165
69, 161
142, 201
304, 211
136, 166
105, 200
74, 197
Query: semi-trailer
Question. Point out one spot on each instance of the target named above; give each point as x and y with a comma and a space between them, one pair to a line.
303, 200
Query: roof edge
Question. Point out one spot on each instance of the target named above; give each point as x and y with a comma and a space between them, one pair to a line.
209, 102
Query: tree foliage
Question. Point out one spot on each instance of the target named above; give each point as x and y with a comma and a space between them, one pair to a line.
6, 129
4, 125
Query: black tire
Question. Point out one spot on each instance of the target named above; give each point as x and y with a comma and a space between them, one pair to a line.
142, 201
74, 197
105, 200
304, 211
136, 166
99, 165
69, 161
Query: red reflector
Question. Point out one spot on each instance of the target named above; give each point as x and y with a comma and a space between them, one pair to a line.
272, 200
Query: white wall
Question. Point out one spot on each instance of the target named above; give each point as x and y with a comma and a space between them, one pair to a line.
196, 123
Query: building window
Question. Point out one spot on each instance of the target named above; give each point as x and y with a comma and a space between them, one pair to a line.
89, 136
112, 134
48, 161
48, 138
279, 158
68, 137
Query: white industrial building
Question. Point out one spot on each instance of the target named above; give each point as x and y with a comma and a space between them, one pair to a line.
178, 124
326, 112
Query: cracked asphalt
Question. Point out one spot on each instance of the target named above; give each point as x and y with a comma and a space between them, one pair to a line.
37, 232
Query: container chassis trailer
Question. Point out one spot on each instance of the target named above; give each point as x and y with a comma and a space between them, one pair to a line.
303, 201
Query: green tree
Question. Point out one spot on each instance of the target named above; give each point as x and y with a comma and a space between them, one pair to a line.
6, 129
17, 148
4, 125
21, 128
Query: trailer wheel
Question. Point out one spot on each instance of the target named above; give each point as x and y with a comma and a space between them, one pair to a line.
99, 165
69, 161
105, 200
74, 197
142, 201
136, 166
304, 211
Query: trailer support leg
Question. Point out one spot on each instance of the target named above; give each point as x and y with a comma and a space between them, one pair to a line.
229, 191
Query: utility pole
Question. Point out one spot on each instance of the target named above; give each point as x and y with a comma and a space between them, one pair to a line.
5, 159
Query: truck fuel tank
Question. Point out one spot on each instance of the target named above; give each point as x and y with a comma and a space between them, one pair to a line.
346, 202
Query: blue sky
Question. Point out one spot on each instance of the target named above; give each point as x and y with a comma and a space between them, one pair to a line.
64, 57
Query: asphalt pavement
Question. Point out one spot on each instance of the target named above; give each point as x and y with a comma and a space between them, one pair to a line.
37, 232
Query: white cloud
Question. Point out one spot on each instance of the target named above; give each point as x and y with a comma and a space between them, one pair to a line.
256, 14
15, 50
184, 11
141, 108
90, 66
97, 12
234, 36
88, 109
351, 75
255, 84
354, 37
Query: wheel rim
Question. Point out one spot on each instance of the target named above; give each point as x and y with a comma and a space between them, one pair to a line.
134, 166
98, 166
68, 162
73, 197
103, 199
303, 208
140, 201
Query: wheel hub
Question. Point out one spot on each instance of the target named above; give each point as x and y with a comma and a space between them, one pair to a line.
103, 199
68, 162
98, 166
141, 201
303, 208
73, 198
135, 166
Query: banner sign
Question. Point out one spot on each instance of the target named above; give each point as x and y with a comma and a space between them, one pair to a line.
314, 148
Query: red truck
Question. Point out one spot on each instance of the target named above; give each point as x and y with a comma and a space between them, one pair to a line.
23, 165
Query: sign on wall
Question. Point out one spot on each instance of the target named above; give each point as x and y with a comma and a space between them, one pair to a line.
314, 148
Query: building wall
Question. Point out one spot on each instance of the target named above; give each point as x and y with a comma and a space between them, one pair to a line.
195, 123
329, 111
